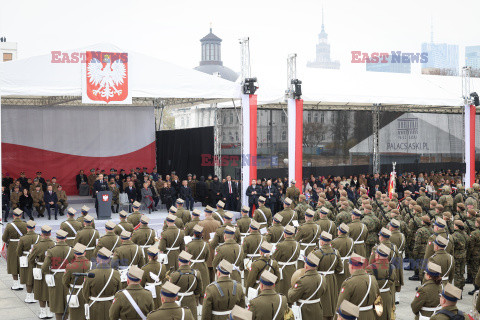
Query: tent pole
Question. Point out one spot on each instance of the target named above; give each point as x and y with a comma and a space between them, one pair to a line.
376, 144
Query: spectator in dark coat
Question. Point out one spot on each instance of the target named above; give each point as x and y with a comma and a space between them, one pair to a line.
25, 203
186, 194
50, 198
5, 203
167, 194
230, 194
271, 194
253, 192
131, 192
216, 191
202, 191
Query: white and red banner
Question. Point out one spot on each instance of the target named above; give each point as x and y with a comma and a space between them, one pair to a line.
105, 78
295, 140
470, 112
391, 184
249, 142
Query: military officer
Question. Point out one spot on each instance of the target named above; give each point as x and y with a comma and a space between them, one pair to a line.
87, 236
134, 217
200, 250
218, 237
126, 255
178, 222
134, 301
448, 301
443, 259
243, 224
218, 215
232, 252
460, 242
262, 214
286, 255
62, 200
210, 225
84, 210
11, 236
182, 212
438, 230
361, 288
251, 246
275, 232
100, 290
427, 297
329, 263
344, 244
288, 215
308, 289
264, 263
421, 241
307, 235
348, 311
27, 241
71, 226
190, 282
293, 193
169, 308
73, 284
269, 305
325, 223
373, 225
110, 240
222, 295
144, 236
123, 225
398, 239
195, 220
473, 258
154, 274
344, 216
301, 207
38, 202
172, 242
36, 258
358, 232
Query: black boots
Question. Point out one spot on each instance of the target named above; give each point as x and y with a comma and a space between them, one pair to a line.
469, 280
473, 291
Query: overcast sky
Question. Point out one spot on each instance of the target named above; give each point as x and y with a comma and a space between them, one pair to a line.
171, 30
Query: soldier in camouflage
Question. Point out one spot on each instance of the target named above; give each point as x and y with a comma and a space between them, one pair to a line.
373, 225
473, 256
460, 243
301, 207
421, 240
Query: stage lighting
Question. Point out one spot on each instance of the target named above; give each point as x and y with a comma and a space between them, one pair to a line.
249, 86
476, 100
297, 92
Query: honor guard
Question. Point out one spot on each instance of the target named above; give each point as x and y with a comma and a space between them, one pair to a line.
169, 308
307, 235
243, 224
84, 210
460, 242
275, 232
347, 311
358, 232
71, 226
218, 215
195, 220
182, 213
262, 214
11, 236
427, 298
231, 252
344, 244
25, 244
209, 225
178, 222
171, 242
218, 237
443, 259
399, 240
110, 240
154, 274
88, 236
264, 263
438, 230
144, 236
420, 244
288, 215
269, 305
251, 246
286, 255
134, 217
123, 225
325, 223
448, 301
126, 255
200, 251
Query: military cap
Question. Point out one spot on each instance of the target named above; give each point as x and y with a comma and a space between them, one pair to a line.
79, 248
17, 212
293, 181
254, 225
135, 273
395, 223
268, 278
417, 208
441, 241
426, 219
61, 234
383, 250
104, 253
348, 310
287, 201
439, 222
325, 236
433, 269
46, 229
312, 260
245, 209
71, 211
344, 228
289, 229
356, 212
172, 209
239, 313
439, 207
266, 247
309, 212
451, 293
324, 210
461, 205
209, 209
472, 212
88, 218
228, 215
447, 214
153, 251
459, 223
392, 204
225, 267
125, 234
196, 212
302, 197
385, 233
367, 207
396, 211
357, 260
229, 230
220, 204
433, 203
180, 201
169, 290
136, 204
85, 209
123, 213
262, 199
278, 218
184, 257
110, 225
31, 224
171, 218
144, 219
197, 228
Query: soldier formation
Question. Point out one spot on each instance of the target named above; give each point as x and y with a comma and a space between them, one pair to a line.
340, 260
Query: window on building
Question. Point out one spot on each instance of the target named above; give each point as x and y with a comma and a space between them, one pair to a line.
323, 137
315, 117
230, 135
269, 135
322, 118
284, 117
309, 117
7, 57
183, 122
231, 117
284, 135
236, 136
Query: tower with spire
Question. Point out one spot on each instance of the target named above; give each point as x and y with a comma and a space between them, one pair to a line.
322, 59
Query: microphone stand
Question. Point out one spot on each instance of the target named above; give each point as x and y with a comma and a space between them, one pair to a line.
69, 297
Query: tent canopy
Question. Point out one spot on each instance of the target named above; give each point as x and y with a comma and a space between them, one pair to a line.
39, 81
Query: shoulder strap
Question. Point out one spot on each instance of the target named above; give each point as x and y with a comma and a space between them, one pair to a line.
71, 227
238, 257
64, 260
133, 259
103, 289
20, 234
215, 283
368, 291
191, 286
183, 314
121, 227
200, 254
263, 214
449, 267
279, 307
91, 239
315, 292
134, 304
149, 236
38, 238
220, 216
115, 245
361, 232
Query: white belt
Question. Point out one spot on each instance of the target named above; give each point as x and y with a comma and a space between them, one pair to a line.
26, 252
359, 242
244, 234
13, 240
57, 270
146, 246
197, 261
326, 272
185, 294
428, 309
70, 238
444, 278
174, 248
345, 258
385, 290
153, 283
102, 298
89, 248
366, 308
40, 263
309, 301
221, 313
308, 244
77, 286
123, 267
287, 263
253, 255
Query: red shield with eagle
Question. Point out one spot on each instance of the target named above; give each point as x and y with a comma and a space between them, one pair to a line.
105, 197
107, 76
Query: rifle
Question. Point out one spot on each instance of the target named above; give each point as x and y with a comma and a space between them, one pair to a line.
427, 212
407, 209
381, 209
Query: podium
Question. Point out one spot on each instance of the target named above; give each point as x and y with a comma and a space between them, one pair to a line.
104, 205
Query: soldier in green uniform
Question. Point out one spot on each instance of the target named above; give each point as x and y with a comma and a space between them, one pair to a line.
218, 237
448, 301
232, 252
218, 215
420, 243
275, 232
262, 214
473, 256
38, 202
344, 245
11, 236
195, 220
427, 297
222, 295
358, 232
123, 225
190, 282
71, 226
87, 236
62, 200
172, 242
182, 213
243, 224
286, 255
344, 215
263, 263
36, 258
134, 301
210, 225
398, 239
373, 225
200, 250
384, 273
307, 235
446, 200
154, 274
27, 241
74, 285
251, 246
293, 193
438, 229
134, 217
348, 311
126, 255
301, 207
110, 240
288, 215
144, 236
325, 223
443, 259
307, 290
56, 260
269, 305
169, 308
460, 243
329, 264
84, 210
115, 196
